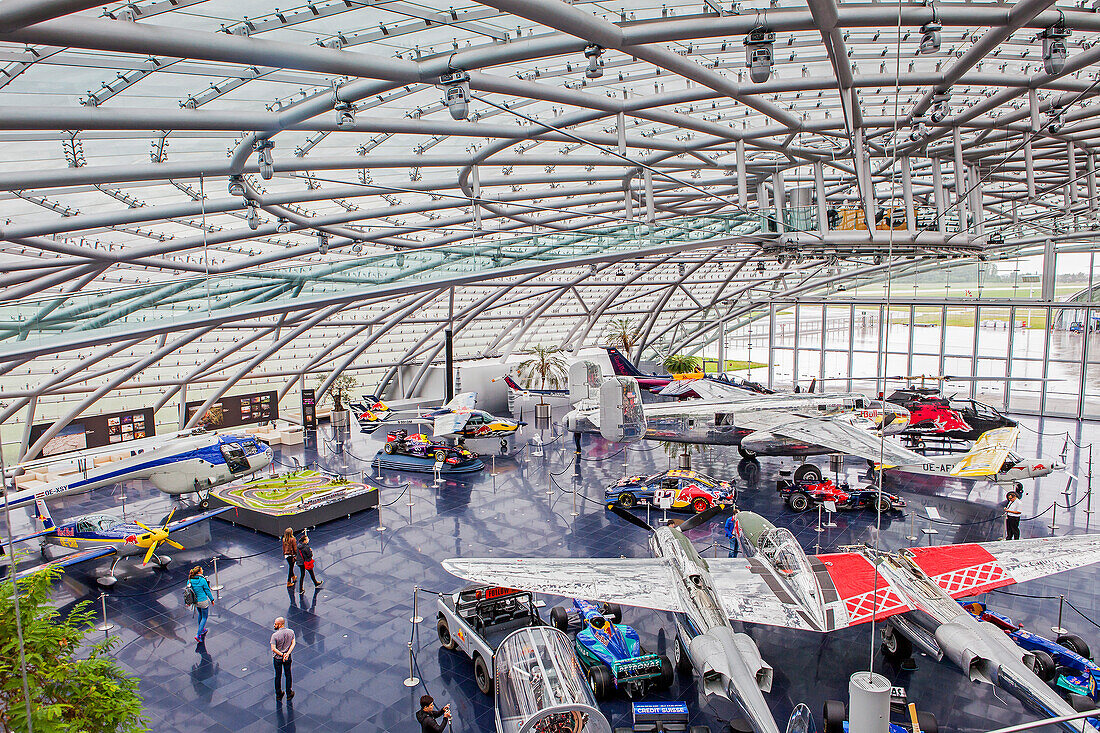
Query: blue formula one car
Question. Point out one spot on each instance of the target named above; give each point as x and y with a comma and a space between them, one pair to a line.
1065, 663
691, 491
611, 652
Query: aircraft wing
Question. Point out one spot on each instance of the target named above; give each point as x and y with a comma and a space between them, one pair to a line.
644, 582
451, 423
746, 595
462, 401
997, 438
843, 437
706, 389
988, 454
964, 570
67, 560
198, 518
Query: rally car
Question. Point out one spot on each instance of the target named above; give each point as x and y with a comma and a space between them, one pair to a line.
611, 652
1065, 663
801, 495
418, 445
691, 490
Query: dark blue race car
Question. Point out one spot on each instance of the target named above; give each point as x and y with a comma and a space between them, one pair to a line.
1064, 663
611, 652
690, 491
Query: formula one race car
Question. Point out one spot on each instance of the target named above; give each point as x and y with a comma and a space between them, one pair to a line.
691, 490
418, 445
1065, 663
611, 652
801, 495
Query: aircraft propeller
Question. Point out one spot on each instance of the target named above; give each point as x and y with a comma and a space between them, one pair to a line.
631, 518
701, 518
157, 536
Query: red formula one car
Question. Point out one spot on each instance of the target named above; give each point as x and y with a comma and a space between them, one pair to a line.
802, 495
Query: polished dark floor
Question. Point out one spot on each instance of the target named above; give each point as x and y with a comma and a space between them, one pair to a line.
354, 634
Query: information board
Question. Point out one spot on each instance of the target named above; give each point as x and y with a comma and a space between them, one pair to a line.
95, 431
233, 410
309, 409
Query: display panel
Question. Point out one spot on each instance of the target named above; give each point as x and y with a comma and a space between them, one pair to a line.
96, 431
233, 410
309, 409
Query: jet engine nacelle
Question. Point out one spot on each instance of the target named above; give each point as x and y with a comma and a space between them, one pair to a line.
725, 655
979, 650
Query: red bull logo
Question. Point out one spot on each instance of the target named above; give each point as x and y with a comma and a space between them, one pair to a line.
131, 539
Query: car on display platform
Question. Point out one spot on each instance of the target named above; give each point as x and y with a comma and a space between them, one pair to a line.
478, 618
1065, 663
691, 490
835, 718
801, 494
611, 652
418, 445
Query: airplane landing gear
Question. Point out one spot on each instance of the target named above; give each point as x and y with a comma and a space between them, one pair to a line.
204, 499
807, 472
504, 446
161, 561
108, 580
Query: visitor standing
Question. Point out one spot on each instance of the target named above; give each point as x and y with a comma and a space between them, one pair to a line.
1012, 517
290, 553
428, 716
200, 586
305, 564
282, 644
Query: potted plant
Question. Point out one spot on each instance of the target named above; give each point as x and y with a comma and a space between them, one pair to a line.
547, 368
339, 391
682, 364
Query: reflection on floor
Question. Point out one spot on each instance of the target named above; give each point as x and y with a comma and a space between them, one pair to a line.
353, 634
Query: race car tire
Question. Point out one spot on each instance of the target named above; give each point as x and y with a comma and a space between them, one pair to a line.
1075, 644
627, 500
559, 619
482, 677
614, 612
746, 453
444, 631
1044, 665
668, 674
895, 645
440, 456
927, 722
699, 729
885, 505
388, 447
599, 676
700, 505
807, 472
681, 658
833, 714
624, 730
798, 501
1080, 703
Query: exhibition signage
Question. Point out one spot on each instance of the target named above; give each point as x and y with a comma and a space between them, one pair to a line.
96, 431
233, 410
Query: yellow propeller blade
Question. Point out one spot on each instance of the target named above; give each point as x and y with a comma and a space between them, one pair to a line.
149, 552
177, 545
147, 529
170, 515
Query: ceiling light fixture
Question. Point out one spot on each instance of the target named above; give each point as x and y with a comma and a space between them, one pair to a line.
759, 53
457, 93
595, 68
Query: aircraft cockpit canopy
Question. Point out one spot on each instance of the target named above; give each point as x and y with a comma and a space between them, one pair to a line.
784, 553
96, 523
235, 457
251, 446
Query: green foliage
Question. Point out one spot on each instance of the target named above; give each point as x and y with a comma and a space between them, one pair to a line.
547, 367
340, 389
682, 364
69, 694
623, 333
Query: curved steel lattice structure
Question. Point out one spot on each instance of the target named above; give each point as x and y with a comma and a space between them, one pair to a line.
203, 193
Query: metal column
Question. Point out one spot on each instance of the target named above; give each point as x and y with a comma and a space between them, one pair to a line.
742, 176
822, 204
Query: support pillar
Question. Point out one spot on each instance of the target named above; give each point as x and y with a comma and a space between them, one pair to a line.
907, 196
647, 178
476, 181
960, 178
780, 203
1029, 165
822, 204
1071, 162
742, 176
449, 355
1090, 179
938, 195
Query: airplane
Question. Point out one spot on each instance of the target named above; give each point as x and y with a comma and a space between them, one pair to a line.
527, 392
458, 419
776, 425
934, 415
185, 465
675, 385
778, 584
733, 675
370, 412
99, 535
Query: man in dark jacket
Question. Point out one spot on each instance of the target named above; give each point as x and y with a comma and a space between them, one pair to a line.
428, 716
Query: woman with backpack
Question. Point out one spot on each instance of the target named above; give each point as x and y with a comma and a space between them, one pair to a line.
202, 597
290, 553
305, 564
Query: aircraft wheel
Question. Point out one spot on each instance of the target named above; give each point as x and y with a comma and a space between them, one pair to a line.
627, 500
1019, 488
614, 612
444, 632
600, 678
482, 677
681, 658
833, 715
700, 505
559, 619
388, 447
807, 472
927, 722
161, 561
895, 645
1075, 644
440, 456
668, 674
205, 503
798, 501
1043, 665
746, 453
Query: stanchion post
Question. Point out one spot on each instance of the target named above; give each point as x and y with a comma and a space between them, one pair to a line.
217, 586
1053, 518
819, 529
1058, 629
411, 681
416, 617
106, 625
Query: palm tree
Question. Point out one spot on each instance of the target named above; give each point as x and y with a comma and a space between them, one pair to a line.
623, 333
682, 364
546, 367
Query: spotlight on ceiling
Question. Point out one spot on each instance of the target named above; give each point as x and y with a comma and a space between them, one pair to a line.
1054, 47
760, 267
759, 54
1055, 123
236, 186
345, 114
456, 93
322, 243
941, 107
253, 217
283, 226
263, 157
357, 248
594, 70
919, 130
930, 40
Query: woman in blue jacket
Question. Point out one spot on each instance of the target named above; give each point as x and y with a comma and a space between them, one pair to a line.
203, 599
